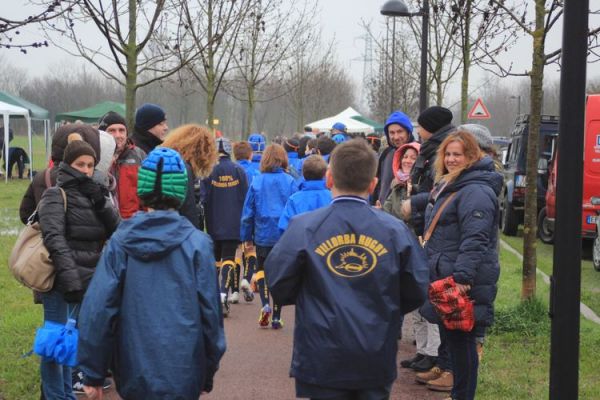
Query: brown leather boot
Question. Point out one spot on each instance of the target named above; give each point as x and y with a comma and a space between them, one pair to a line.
432, 374
443, 383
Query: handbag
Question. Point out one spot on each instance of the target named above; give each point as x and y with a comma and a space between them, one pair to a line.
425, 238
29, 260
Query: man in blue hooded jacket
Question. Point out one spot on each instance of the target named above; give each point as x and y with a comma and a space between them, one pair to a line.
352, 271
152, 308
398, 131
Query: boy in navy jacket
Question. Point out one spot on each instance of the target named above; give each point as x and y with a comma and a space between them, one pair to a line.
352, 271
313, 193
226, 189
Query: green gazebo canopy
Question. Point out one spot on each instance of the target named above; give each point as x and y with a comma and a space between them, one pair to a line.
91, 114
376, 125
35, 111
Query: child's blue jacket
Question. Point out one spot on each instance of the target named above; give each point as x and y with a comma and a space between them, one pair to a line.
312, 195
251, 170
352, 271
153, 304
264, 204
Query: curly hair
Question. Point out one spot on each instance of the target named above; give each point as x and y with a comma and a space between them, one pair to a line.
471, 150
196, 145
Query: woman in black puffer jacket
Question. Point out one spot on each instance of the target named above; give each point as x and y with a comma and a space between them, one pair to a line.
74, 240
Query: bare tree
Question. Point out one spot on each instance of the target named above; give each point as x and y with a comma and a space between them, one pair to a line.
547, 14
214, 28
274, 33
10, 28
137, 43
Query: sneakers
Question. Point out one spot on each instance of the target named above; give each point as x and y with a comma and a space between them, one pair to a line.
235, 298
432, 374
424, 364
442, 384
276, 324
246, 291
77, 382
225, 305
265, 317
407, 363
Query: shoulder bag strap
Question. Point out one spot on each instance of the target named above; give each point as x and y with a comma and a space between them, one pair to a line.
436, 218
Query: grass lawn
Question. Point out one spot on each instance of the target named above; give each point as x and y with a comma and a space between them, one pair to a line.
515, 364
590, 278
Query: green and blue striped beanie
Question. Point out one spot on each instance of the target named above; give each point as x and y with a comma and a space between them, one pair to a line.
163, 172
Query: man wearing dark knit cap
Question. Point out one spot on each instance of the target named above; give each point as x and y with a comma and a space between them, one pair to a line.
150, 127
124, 169
435, 123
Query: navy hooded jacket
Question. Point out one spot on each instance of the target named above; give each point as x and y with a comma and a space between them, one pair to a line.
465, 241
226, 189
352, 271
153, 307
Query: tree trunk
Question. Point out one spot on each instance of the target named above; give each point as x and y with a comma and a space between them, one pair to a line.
210, 72
530, 220
249, 112
131, 57
466, 55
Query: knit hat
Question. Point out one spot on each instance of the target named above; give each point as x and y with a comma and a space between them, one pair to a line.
339, 126
148, 116
76, 148
258, 142
434, 118
110, 118
163, 172
291, 144
224, 145
481, 134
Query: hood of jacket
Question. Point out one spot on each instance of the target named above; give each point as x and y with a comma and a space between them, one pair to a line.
482, 172
401, 119
152, 235
397, 161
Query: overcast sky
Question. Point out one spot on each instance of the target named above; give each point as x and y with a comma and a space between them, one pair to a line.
339, 19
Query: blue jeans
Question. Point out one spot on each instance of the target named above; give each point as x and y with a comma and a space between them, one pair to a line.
462, 348
56, 379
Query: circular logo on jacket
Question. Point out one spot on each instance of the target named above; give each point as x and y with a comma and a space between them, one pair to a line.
351, 261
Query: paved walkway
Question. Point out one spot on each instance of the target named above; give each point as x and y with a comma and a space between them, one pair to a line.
256, 364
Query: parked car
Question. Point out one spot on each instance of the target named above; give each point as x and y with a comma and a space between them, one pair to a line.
512, 201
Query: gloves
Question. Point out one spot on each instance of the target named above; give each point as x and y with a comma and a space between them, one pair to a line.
75, 296
95, 192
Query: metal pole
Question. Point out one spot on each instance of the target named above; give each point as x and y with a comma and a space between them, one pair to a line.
424, 46
566, 278
393, 64
518, 105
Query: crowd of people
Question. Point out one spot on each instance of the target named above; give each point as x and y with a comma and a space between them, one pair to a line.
154, 234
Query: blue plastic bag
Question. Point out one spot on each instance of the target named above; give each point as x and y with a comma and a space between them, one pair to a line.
58, 342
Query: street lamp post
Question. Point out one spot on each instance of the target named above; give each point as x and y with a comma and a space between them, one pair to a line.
397, 8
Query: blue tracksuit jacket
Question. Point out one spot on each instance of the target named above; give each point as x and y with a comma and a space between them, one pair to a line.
154, 309
226, 189
251, 170
352, 271
312, 195
264, 204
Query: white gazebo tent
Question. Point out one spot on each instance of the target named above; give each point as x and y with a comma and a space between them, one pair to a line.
6, 110
345, 117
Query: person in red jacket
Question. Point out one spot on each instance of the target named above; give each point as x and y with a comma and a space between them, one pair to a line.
124, 169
